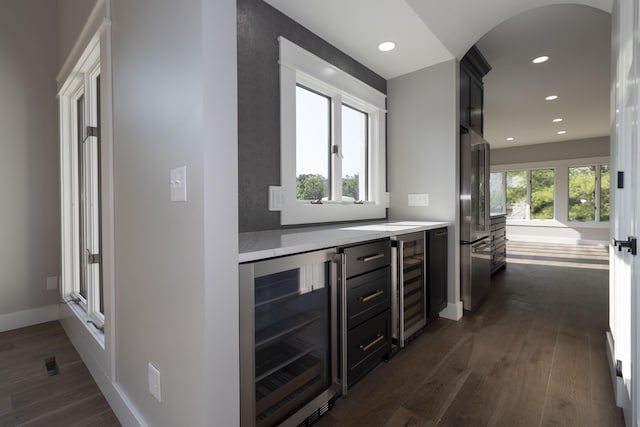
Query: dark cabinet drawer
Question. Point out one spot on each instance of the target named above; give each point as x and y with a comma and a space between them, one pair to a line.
367, 257
368, 344
367, 295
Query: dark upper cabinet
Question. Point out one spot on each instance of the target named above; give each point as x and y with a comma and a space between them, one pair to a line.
476, 104
473, 67
465, 100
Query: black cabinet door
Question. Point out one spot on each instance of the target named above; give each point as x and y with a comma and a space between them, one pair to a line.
437, 270
476, 105
465, 84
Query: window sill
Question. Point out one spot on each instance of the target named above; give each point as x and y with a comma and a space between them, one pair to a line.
307, 213
88, 321
552, 223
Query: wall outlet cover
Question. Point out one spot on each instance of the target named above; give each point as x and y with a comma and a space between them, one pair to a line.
418, 199
277, 198
154, 382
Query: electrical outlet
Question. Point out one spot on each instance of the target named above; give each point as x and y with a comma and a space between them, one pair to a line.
52, 283
154, 382
418, 200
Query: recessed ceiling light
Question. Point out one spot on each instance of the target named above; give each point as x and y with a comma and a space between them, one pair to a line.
386, 46
551, 97
510, 138
558, 120
562, 132
540, 59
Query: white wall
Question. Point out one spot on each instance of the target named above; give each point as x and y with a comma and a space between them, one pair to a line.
72, 15
221, 214
158, 125
30, 213
565, 150
175, 104
422, 151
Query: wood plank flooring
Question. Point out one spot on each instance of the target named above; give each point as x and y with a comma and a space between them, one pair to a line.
29, 397
532, 355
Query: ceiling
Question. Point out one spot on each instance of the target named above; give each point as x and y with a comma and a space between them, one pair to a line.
508, 32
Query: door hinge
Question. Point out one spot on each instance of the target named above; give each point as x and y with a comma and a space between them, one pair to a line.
631, 245
619, 368
620, 183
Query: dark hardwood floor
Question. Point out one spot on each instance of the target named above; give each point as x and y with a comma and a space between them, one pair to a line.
532, 355
29, 396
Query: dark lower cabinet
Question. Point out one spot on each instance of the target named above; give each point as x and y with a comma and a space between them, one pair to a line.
365, 320
437, 244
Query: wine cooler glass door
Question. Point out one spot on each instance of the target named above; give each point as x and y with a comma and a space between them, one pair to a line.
288, 335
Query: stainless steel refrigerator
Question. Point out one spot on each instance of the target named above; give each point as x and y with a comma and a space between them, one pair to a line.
475, 233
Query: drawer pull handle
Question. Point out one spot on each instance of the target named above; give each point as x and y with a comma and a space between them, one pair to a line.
372, 343
371, 257
376, 294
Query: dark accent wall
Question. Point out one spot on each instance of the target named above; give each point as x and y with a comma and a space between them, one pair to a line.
259, 26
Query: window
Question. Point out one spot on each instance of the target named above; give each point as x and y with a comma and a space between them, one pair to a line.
497, 194
589, 197
81, 163
528, 194
313, 145
542, 194
605, 193
516, 194
560, 191
332, 143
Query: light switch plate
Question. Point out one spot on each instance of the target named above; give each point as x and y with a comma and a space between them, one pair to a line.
178, 184
418, 200
154, 382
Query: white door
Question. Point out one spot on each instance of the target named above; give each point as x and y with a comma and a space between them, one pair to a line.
624, 156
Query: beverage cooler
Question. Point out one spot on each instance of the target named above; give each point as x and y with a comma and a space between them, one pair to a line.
287, 357
408, 287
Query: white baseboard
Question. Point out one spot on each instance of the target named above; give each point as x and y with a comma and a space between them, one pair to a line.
83, 342
452, 311
33, 316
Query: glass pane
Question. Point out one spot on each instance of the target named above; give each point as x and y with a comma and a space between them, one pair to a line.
582, 193
313, 139
354, 154
605, 195
497, 192
517, 194
542, 194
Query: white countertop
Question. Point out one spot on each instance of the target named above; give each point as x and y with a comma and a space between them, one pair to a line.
259, 245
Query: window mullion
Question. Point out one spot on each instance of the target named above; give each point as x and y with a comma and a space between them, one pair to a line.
336, 155
528, 210
597, 195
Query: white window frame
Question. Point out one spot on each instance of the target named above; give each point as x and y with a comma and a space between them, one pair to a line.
89, 58
300, 67
528, 196
561, 174
598, 168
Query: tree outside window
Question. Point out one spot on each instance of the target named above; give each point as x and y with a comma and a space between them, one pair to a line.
542, 192
582, 193
516, 194
605, 193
